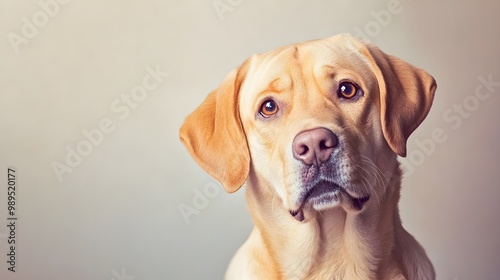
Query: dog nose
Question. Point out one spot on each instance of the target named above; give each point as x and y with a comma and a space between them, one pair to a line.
314, 146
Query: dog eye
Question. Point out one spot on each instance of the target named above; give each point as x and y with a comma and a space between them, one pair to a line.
268, 108
347, 90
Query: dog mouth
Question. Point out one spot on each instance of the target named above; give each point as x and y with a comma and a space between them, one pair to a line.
327, 195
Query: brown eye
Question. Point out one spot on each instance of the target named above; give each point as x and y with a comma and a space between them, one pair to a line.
268, 108
347, 90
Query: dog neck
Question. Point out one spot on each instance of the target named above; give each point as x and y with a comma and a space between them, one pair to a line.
331, 244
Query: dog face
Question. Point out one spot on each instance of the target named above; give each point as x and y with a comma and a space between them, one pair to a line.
319, 122
310, 114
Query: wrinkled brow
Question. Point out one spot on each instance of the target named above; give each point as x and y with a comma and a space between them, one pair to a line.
280, 84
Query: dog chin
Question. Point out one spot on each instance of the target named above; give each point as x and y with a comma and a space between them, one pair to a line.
326, 196
325, 201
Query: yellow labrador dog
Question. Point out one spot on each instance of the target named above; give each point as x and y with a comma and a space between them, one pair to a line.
313, 131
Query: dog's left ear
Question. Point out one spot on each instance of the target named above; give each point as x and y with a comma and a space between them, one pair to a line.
214, 136
406, 94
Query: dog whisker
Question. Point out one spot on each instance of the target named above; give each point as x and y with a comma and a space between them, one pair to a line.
379, 172
366, 181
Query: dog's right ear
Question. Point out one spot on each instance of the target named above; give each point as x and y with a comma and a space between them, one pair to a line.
214, 136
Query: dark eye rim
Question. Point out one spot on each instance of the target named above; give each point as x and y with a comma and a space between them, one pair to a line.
358, 92
263, 104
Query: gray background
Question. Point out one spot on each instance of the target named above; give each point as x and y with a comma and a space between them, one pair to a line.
116, 214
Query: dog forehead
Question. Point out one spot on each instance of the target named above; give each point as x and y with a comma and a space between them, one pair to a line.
276, 71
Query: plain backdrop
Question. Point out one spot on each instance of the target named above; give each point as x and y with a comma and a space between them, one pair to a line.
68, 67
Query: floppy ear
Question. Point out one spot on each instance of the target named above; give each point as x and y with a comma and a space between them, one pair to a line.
406, 94
214, 136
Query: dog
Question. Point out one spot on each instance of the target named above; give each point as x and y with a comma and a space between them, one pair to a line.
313, 131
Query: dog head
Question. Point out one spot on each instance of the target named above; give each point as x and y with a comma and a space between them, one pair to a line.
319, 122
